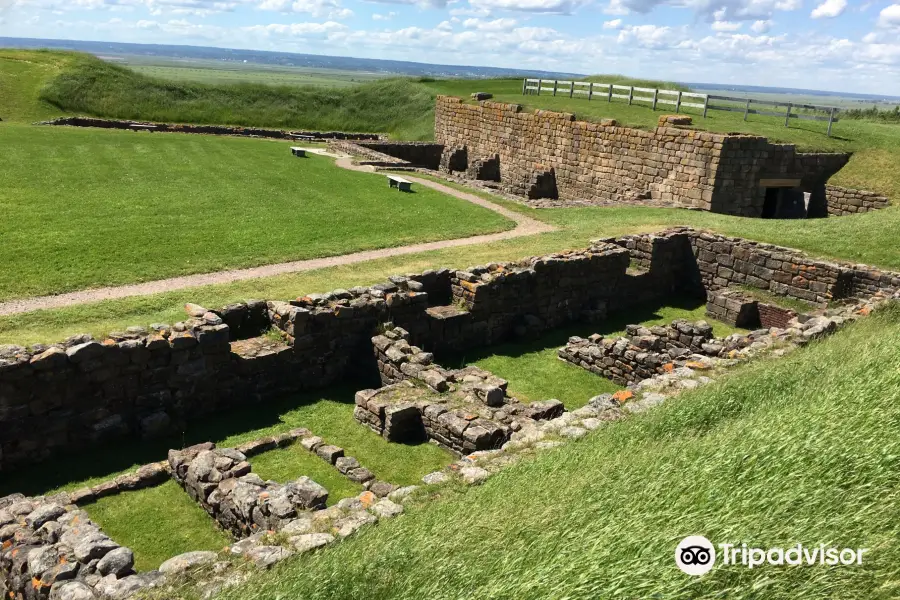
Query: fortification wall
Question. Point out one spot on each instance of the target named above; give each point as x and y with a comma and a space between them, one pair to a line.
605, 162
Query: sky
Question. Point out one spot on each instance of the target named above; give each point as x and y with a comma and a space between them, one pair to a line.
837, 45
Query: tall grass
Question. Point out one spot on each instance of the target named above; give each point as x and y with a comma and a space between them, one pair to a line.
90, 86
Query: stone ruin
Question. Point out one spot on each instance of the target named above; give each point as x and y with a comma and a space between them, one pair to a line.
391, 337
550, 159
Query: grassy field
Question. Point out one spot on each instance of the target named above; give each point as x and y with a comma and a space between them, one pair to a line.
157, 523
800, 450
534, 372
85, 208
868, 238
224, 72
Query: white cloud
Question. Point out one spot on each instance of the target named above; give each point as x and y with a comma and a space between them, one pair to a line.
445, 26
320, 9
563, 7
889, 17
726, 25
470, 12
713, 10
495, 25
761, 26
384, 17
829, 9
295, 29
614, 24
647, 36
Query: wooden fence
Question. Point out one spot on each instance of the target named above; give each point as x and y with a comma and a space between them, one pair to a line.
679, 99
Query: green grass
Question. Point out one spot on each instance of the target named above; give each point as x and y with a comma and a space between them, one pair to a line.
535, 373
22, 75
867, 238
217, 72
288, 464
157, 523
327, 413
84, 208
91, 86
802, 449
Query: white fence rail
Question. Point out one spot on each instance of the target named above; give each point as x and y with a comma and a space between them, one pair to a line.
678, 99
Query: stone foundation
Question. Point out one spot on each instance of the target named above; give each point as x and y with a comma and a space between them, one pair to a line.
145, 383
734, 308
209, 129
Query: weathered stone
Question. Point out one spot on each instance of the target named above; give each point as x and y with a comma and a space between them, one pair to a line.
187, 561
266, 556
310, 541
71, 590
118, 562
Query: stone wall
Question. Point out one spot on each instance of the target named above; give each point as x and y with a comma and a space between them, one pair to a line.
54, 551
209, 129
645, 352
605, 163
844, 201
145, 383
220, 480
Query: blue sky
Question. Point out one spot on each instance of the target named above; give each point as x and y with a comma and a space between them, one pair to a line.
821, 44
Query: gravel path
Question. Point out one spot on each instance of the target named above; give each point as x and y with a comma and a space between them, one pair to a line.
524, 226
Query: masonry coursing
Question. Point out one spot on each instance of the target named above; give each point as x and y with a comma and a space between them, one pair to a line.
153, 382
607, 163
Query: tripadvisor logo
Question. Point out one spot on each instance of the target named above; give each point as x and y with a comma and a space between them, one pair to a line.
696, 555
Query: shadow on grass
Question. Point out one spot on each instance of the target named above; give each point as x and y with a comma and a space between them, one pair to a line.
120, 456
558, 338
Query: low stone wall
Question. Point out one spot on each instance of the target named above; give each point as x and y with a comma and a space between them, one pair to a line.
733, 307
426, 155
644, 353
54, 551
464, 410
845, 201
208, 129
145, 383
220, 480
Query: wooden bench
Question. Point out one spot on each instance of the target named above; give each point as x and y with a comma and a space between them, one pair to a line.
297, 151
404, 185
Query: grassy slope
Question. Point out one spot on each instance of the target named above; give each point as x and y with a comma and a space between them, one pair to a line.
804, 449
22, 75
110, 207
91, 86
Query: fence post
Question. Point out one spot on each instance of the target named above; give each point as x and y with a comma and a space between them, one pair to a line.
630, 95
524, 85
590, 91
555, 85
678, 103
571, 89
540, 85
747, 109
830, 121
609, 94
705, 105
787, 115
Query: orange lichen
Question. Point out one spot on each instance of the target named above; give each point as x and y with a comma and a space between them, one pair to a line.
368, 499
623, 395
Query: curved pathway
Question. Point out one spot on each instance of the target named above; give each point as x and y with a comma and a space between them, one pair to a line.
524, 226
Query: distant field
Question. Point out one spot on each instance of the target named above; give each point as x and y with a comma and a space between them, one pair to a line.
89, 207
224, 72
